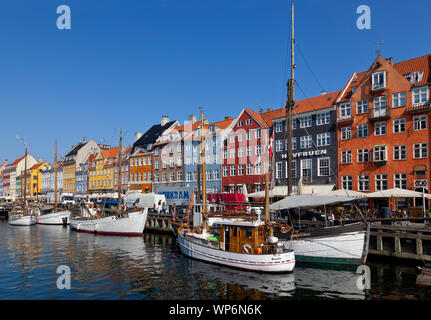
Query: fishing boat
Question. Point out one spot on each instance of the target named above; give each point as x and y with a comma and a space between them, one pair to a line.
241, 240
22, 215
115, 221
344, 244
57, 217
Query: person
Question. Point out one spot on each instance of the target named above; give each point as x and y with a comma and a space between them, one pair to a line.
164, 208
331, 218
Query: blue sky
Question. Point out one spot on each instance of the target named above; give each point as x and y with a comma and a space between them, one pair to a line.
125, 63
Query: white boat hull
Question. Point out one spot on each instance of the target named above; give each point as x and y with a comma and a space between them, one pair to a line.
127, 224
343, 248
22, 221
277, 262
54, 218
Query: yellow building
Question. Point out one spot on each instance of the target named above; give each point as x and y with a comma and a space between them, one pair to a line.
101, 170
34, 179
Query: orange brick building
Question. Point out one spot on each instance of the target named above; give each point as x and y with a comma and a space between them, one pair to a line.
140, 167
383, 125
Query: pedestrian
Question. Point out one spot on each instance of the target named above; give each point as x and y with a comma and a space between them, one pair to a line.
332, 218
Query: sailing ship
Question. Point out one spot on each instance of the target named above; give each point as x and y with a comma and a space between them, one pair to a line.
241, 240
116, 221
344, 244
23, 215
57, 217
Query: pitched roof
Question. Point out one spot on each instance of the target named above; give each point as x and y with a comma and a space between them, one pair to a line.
37, 165
74, 149
110, 153
152, 134
17, 161
404, 68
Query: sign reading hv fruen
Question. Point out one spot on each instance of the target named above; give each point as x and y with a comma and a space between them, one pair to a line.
306, 153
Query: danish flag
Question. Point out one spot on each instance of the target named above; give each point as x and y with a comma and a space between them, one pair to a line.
270, 145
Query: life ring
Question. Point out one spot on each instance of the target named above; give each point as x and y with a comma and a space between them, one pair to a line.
259, 250
247, 249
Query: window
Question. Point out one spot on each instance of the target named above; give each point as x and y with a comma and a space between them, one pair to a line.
364, 183
381, 181
278, 145
278, 170
216, 175
258, 133
293, 143
322, 118
232, 153
156, 164
400, 125
379, 80
379, 153
240, 152
362, 106
179, 175
305, 142
208, 175
420, 150
248, 135
363, 131
232, 170
380, 128
380, 107
398, 99
420, 96
346, 133
156, 151
241, 170
420, 122
306, 165
345, 110
258, 168
164, 177
240, 123
278, 126
323, 167
346, 156
240, 137
293, 168
363, 155
305, 122
172, 176
225, 154
248, 121
400, 180
249, 150
347, 182
232, 138
225, 171
258, 149
171, 162
400, 152
249, 169
323, 139
164, 164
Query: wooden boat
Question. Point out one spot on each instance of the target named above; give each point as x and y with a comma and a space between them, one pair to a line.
237, 240
22, 220
117, 222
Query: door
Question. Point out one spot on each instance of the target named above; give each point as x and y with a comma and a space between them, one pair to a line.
227, 238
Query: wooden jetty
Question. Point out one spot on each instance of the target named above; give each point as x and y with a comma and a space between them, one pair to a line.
159, 222
412, 241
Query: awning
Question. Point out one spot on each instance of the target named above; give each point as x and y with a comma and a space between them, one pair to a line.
344, 192
308, 201
397, 193
281, 191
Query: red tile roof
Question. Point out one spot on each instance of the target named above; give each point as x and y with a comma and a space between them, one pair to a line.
17, 160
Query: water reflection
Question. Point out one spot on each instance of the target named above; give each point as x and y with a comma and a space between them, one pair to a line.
152, 267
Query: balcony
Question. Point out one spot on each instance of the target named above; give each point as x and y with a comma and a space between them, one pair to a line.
345, 120
426, 107
379, 114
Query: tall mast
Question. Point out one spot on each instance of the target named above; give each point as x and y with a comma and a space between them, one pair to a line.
266, 168
119, 165
289, 107
25, 176
55, 179
204, 190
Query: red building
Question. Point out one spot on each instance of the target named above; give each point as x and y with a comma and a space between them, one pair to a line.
383, 127
242, 159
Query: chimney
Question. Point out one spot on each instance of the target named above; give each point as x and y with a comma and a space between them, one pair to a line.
390, 60
260, 110
227, 118
268, 109
39, 160
322, 93
192, 119
165, 120
138, 135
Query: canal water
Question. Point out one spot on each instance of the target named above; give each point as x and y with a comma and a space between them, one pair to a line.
152, 267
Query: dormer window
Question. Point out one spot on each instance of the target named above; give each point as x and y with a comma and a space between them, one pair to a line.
379, 80
416, 76
212, 128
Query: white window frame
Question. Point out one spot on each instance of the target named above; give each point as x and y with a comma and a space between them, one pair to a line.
398, 124
346, 133
319, 166
400, 150
377, 85
345, 110
378, 128
362, 106
398, 98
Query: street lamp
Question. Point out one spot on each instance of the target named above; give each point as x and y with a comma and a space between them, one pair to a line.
23, 140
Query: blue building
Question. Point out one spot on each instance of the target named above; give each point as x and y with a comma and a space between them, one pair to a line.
216, 134
81, 176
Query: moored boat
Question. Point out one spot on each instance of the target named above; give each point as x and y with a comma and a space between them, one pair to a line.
54, 218
22, 220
